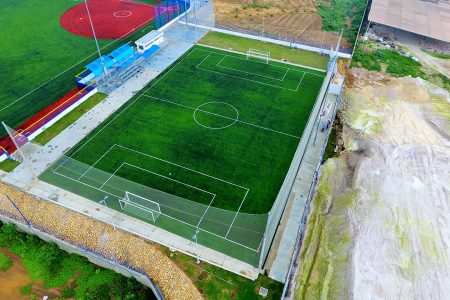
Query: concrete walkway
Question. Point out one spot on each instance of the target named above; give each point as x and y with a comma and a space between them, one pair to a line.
181, 38
280, 255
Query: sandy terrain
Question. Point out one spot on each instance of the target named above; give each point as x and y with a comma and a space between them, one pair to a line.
394, 239
291, 20
402, 220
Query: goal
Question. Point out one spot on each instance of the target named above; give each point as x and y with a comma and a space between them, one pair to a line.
258, 54
140, 206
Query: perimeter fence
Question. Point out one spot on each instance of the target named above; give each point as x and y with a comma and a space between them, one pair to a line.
236, 234
169, 10
244, 236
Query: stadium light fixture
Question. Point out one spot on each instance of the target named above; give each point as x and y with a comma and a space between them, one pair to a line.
95, 38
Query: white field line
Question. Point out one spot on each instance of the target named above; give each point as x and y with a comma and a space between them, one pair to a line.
165, 177
225, 74
300, 82
235, 216
112, 175
138, 3
282, 79
87, 57
183, 167
246, 72
235, 55
243, 78
118, 197
204, 213
90, 167
152, 84
220, 116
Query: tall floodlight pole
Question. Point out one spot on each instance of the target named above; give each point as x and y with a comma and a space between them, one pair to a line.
339, 42
186, 11
195, 15
321, 43
95, 38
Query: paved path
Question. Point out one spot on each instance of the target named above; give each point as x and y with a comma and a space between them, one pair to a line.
181, 38
282, 250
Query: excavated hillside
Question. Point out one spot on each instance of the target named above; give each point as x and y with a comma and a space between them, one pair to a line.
380, 224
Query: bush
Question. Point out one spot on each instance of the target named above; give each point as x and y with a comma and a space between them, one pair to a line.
396, 64
26, 289
342, 14
68, 292
46, 262
5, 262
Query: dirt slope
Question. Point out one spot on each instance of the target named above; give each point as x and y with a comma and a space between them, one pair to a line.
291, 20
393, 238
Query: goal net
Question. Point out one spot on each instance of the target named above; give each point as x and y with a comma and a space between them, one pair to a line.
140, 206
259, 55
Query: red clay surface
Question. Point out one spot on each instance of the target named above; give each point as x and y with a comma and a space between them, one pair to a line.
43, 117
112, 19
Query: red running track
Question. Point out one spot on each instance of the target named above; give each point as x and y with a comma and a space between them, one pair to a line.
112, 19
43, 117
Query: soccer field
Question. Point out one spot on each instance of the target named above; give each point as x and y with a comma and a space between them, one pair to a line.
39, 58
208, 142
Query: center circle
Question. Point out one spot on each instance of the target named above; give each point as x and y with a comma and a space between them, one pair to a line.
223, 113
122, 13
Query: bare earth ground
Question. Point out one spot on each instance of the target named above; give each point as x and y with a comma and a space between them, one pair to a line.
114, 244
397, 227
291, 20
17, 277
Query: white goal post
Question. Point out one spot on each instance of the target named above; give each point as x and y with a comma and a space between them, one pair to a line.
259, 54
140, 206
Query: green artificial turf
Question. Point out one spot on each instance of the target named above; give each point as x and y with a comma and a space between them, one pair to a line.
215, 129
241, 44
35, 49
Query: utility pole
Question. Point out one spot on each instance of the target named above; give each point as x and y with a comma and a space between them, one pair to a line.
95, 38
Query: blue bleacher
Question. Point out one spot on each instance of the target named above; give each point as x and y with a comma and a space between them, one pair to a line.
152, 50
96, 65
122, 53
130, 60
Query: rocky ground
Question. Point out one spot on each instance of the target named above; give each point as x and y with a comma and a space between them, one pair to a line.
103, 239
387, 196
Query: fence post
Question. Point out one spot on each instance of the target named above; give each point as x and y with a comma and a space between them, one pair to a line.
15, 206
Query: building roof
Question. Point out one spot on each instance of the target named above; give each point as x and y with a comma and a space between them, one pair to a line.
149, 37
430, 19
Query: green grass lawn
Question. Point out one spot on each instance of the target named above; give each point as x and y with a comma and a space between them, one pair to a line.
214, 129
69, 119
35, 49
240, 44
217, 283
8, 165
